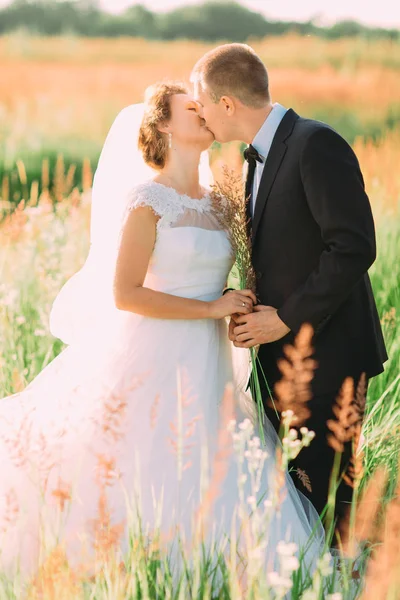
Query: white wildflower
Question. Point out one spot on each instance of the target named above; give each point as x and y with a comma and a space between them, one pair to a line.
245, 425
10, 298
289, 564
287, 414
278, 582
325, 566
39, 333
308, 436
273, 578
231, 425
286, 549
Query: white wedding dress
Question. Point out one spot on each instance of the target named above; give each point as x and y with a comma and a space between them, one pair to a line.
135, 410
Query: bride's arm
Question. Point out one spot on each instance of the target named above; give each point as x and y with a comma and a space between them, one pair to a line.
135, 250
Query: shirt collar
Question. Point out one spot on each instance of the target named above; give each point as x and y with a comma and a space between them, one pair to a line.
263, 139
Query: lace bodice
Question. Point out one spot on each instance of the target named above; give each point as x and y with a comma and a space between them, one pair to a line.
192, 255
174, 209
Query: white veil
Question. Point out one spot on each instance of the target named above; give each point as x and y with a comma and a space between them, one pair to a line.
83, 303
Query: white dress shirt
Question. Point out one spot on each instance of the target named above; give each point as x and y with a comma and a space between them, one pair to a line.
262, 143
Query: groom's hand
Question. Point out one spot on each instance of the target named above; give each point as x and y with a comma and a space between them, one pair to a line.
262, 326
232, 324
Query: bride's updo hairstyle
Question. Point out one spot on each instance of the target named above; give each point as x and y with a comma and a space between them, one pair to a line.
152, 143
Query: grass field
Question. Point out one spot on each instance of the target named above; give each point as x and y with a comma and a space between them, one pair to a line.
60, 99
62, 94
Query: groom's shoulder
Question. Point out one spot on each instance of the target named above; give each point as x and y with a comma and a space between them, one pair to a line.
307, 126
314, 132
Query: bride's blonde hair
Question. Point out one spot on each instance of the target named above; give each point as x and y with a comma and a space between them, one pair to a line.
152, 142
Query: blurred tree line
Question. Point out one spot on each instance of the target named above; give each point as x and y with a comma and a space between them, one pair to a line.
210, 21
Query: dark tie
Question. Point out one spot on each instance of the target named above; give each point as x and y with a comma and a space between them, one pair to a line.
252, 157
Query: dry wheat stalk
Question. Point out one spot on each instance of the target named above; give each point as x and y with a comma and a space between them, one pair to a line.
229, 204
355, 469
349, 411
154, 411
343, 426
5, 189
59, 179
87, 175
293, 391
365, 527
279, 490
304, 478
383, 574
14, 228
55, 580
11, 510
220, 462
45, 174
181, 441
347, 427
63, 493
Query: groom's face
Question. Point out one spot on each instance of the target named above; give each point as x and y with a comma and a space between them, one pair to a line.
214, 114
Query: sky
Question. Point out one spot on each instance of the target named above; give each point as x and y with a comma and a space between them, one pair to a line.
385, 13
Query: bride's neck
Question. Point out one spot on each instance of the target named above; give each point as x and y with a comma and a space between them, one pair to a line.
182, 172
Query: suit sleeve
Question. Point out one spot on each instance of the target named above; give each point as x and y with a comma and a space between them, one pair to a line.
336, 197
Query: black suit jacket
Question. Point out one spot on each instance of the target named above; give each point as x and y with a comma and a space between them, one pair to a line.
313, 242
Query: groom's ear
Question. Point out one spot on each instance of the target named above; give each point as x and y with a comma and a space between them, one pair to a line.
228, 105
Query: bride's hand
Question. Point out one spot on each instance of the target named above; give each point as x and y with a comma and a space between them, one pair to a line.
234, 302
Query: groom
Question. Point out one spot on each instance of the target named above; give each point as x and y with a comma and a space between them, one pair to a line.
313, 242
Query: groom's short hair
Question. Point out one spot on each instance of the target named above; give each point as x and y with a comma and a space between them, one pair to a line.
233, 70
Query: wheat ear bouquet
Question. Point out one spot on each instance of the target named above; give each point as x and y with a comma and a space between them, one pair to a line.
229, 205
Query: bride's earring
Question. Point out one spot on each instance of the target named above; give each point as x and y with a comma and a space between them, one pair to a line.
170, 140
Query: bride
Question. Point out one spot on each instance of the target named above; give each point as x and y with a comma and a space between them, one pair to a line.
131, 413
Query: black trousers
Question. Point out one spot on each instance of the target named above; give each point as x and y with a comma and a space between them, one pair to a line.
317, 460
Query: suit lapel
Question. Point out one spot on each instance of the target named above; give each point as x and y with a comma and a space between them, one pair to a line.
272, 165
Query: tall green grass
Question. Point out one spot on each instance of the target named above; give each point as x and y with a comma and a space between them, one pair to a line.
40, 248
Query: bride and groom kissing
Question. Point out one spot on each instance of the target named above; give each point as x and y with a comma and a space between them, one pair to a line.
144, 319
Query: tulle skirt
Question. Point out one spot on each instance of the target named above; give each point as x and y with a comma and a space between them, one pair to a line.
135, 430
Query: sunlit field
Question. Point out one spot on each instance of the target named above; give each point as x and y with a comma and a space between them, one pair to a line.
57, 102
61, 95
